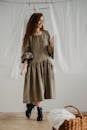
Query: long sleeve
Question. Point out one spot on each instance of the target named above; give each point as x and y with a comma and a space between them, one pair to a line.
26, 54
49, 48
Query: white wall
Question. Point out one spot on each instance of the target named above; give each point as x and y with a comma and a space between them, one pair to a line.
70, 89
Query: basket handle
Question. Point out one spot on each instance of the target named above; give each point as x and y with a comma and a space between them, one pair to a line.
81, 115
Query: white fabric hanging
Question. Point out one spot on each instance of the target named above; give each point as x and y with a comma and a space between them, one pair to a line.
66, 20
69, 22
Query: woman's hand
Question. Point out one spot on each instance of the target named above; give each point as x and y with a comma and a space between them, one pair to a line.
24, 68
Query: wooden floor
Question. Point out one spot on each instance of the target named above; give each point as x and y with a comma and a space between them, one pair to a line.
18, 121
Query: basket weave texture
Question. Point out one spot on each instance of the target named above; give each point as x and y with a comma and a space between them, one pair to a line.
78, 123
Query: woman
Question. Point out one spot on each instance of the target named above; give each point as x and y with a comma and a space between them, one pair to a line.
37, 54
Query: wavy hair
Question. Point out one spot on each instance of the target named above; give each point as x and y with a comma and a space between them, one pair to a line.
31, 27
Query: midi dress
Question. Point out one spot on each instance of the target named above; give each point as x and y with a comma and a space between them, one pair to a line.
39, 79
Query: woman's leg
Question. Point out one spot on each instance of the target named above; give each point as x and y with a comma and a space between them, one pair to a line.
37, 104
29, 107
39, 111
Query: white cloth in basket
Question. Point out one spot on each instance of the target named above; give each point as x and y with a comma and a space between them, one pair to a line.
56, 117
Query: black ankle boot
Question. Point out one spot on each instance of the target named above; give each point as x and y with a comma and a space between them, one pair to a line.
29, 106
40, 114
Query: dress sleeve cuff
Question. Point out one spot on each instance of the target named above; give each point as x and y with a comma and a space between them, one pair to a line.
26, 56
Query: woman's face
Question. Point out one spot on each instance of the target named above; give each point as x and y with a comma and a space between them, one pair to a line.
40, 22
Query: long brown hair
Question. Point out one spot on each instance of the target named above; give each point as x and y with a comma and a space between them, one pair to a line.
31, 27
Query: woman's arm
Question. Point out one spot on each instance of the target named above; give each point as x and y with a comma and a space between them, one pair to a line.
26, 57
26, 54
51, 46
24, 68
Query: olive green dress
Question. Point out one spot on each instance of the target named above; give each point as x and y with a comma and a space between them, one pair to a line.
39, 79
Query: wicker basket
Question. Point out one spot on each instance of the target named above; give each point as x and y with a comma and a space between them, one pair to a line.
78, 123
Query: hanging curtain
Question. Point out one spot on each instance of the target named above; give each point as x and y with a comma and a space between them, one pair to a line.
69, 23
66, 21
